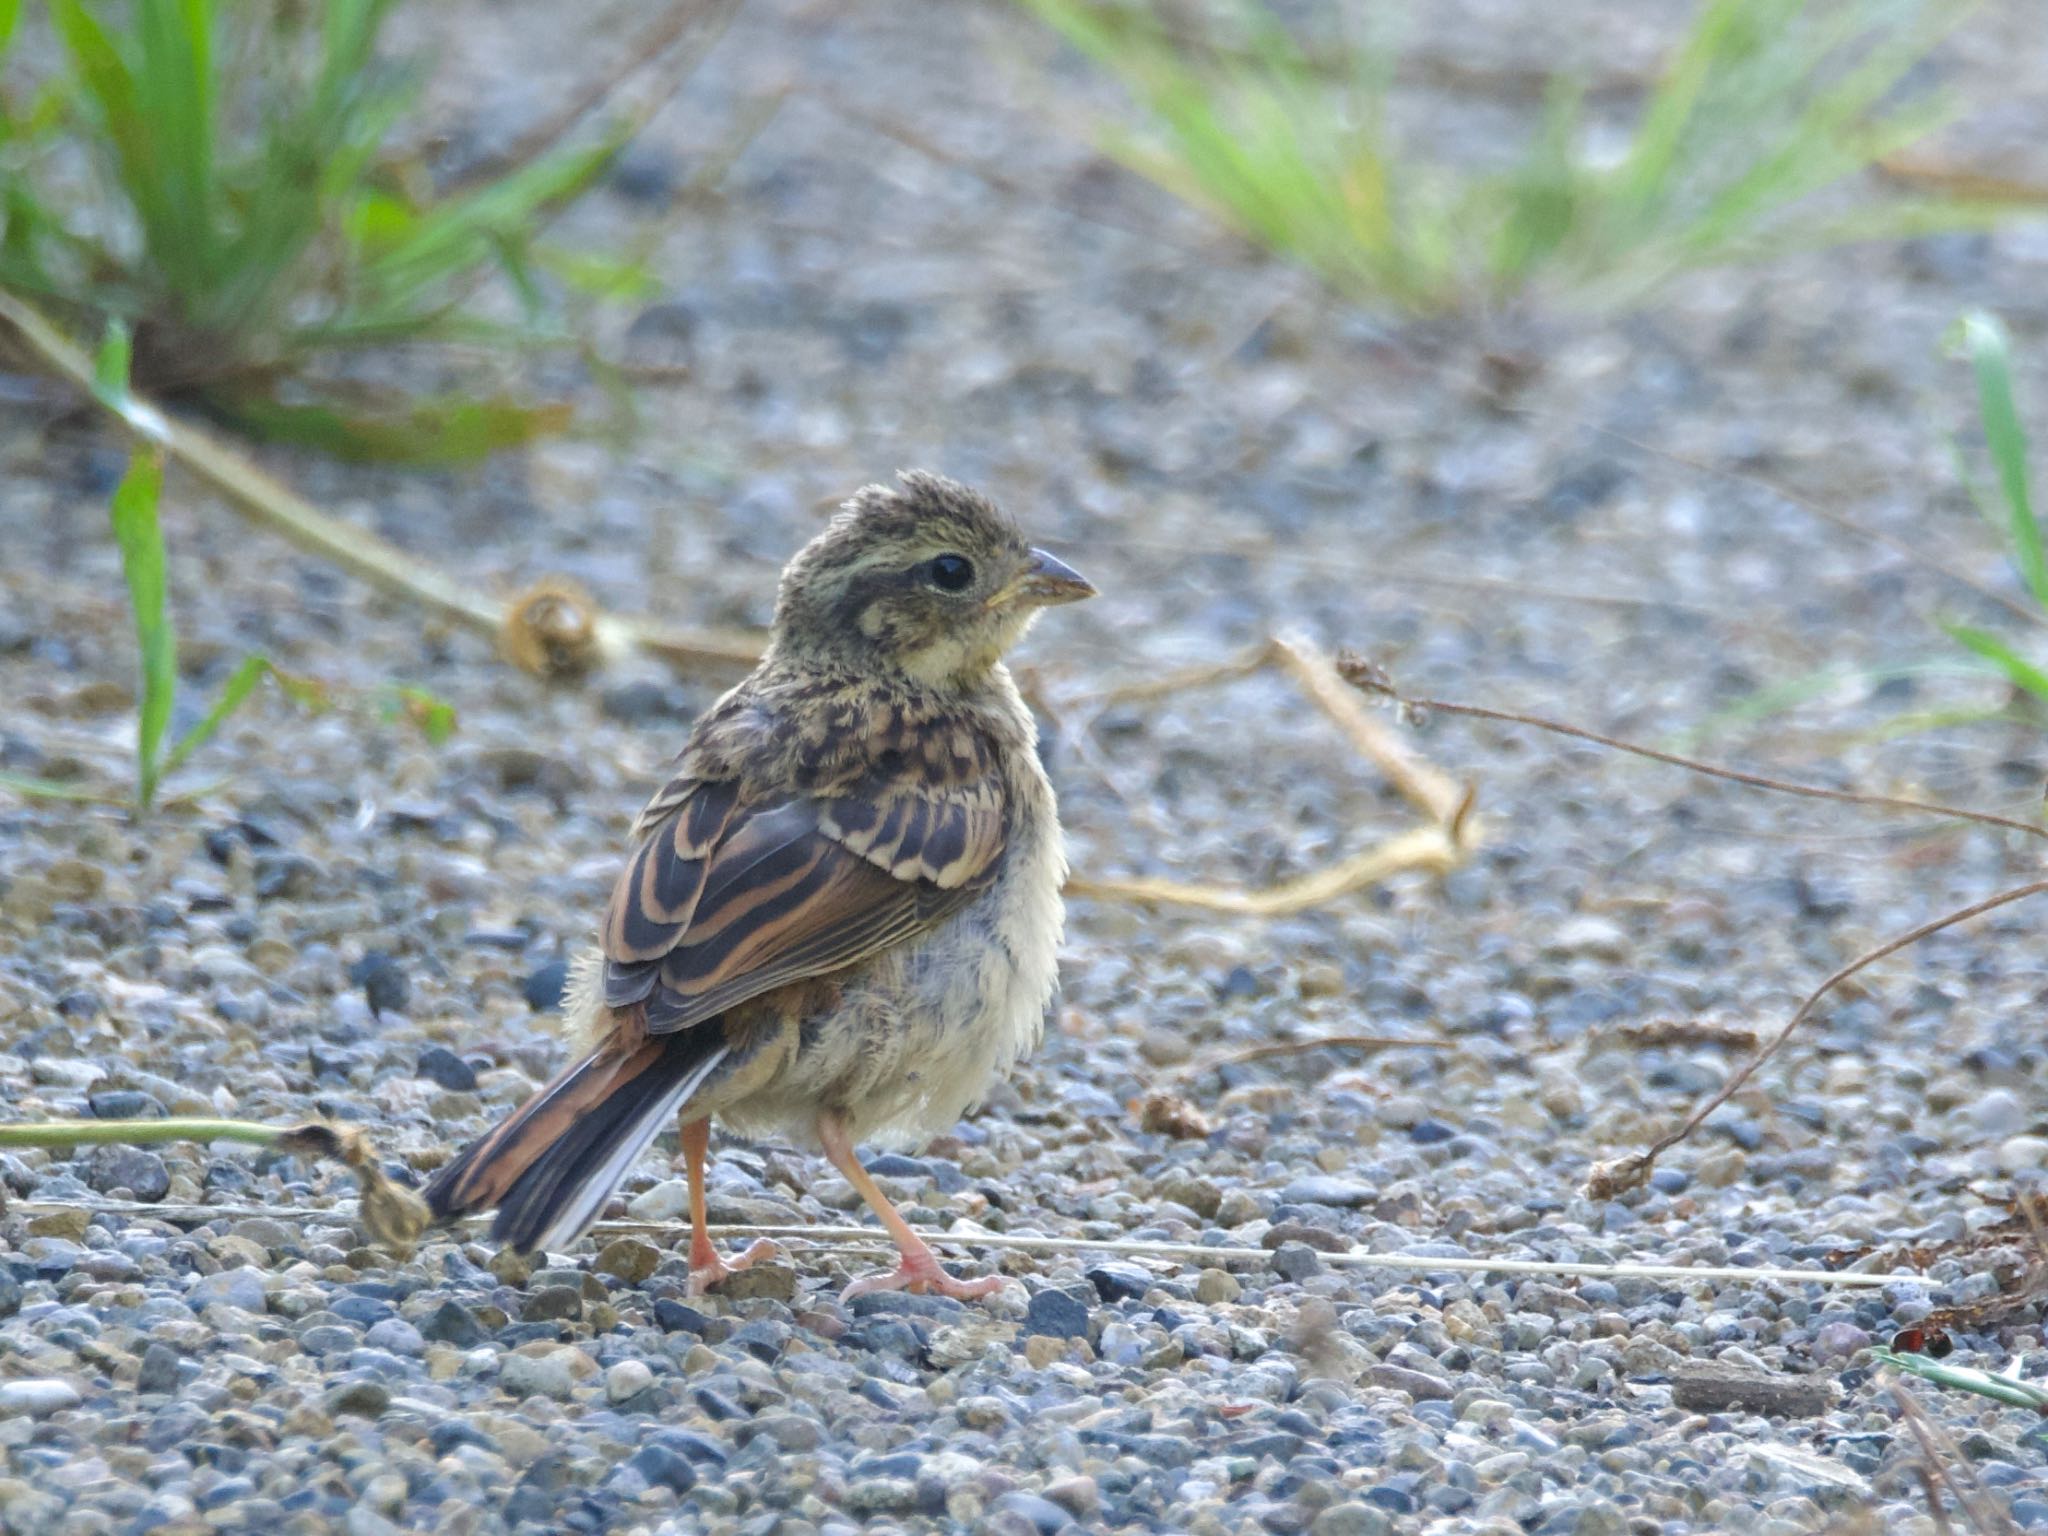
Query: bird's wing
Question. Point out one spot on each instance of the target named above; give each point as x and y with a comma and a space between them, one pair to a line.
727, 897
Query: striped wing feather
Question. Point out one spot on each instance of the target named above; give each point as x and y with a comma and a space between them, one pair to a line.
724, 901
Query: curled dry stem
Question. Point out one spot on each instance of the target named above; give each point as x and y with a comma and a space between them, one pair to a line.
1453, 831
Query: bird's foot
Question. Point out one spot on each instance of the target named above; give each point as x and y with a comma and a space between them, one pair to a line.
707, 1268
920, 1274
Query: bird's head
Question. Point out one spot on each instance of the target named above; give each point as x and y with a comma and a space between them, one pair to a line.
930, 581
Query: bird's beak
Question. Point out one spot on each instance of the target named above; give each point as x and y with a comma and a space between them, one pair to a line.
1044, 583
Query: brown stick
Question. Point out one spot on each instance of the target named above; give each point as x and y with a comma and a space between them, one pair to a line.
1611, 1178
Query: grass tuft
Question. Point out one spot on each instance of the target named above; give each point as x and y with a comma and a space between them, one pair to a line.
1763, 106
225, 178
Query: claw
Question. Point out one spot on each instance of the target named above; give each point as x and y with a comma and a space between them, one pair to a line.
707, 1272
921, 1275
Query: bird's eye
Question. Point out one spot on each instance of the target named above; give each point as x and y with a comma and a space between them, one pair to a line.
951, 573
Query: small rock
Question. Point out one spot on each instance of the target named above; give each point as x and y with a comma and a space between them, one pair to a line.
552, 1303
882, 1496
1352, 1520
1115, 1280
386, 987
629, 1258
453, 1323
1296, 1262
2022, 1154
36, 1398
159, 1370
68, 1223
124, 1104
771, 1281
241, 1287
665, 1202
365, 1399
664, 1468
1419, 1385
548, 1375
135, 1169
1041, 1350
1587, 934
438, 1064
545, 987
1056, 1315
627, 1380
511, 1268
1320, 1189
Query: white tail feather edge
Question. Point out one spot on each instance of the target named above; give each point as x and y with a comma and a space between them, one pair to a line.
576, 1218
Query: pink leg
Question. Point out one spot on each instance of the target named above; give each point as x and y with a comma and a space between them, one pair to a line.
706, 1267
919, 1270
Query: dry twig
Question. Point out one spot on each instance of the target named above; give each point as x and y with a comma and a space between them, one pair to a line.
1446, 842
1945, 1462
1612, 1178
392, 1215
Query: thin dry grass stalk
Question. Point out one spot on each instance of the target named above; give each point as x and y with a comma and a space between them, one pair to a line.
1273, 1048
268, 503
1449, 838
1608, 1179
391, 1214
1945, 1463
1399, 1263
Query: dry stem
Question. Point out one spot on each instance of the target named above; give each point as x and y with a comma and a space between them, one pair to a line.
1399, 1263
268, 503
1611, 1178
1454, 831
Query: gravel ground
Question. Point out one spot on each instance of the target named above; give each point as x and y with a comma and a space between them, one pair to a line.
359, 925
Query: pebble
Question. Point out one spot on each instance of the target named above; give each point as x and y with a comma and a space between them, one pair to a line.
369, 927
36, 1399
627, 1380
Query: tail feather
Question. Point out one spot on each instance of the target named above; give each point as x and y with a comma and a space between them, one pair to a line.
551, 1166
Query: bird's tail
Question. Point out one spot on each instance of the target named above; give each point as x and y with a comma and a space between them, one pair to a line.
550, 1167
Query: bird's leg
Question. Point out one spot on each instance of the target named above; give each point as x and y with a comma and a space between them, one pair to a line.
919, 1270
706, 1267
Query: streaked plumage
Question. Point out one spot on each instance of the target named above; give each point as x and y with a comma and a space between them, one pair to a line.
840, 917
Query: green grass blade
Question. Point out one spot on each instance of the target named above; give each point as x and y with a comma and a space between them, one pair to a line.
111, 363
1962, 1378
134, 516
174, 91
10, 19
240, 684
2021, 672
32, 788
433, 716
108, 82
435, 432
1991, 361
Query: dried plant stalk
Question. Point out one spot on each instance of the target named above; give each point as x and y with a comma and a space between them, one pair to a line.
1453, 833
392, 1215
267, 502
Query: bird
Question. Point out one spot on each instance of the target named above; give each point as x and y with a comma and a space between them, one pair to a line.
840, 918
